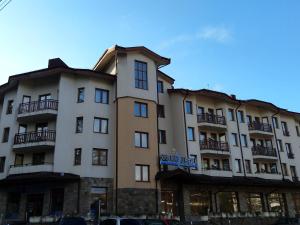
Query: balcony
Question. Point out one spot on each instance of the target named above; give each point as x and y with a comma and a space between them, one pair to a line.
30, 168
35, 140
38, 110
264, 153
217, 171
213, 148
211, 121
260, 129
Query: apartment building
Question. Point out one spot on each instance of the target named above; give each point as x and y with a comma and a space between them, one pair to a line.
120, 139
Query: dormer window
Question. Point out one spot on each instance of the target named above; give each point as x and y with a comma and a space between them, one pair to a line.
141, 77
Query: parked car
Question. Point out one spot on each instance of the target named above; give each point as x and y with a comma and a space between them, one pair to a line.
71, 221
120, 221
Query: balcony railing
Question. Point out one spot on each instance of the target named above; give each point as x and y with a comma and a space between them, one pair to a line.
265, 127
30, 164
290, 155
211, 118
264, 151
214, 145
38, 106
217, 168
36, 136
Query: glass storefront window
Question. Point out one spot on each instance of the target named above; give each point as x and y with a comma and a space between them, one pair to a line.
254, 202
296, 198
168, 203
275, 202
228, 202
200, 203
13, 205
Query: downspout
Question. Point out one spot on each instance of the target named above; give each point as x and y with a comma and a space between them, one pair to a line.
117, 133
78, 196
276, 140
239, 137
185, 128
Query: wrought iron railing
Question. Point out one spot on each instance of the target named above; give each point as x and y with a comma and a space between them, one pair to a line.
265, 151
211, 118
37, 106
35, 136
214, 145
265, 127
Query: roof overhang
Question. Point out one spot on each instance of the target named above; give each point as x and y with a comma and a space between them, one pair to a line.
111, 52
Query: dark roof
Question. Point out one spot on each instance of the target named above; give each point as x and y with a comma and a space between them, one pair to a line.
182, 176
233, 99
30, 178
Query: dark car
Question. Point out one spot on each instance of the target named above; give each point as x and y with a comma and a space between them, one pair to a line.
72, 221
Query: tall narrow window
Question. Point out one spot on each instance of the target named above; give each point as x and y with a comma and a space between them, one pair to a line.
19, 159
275, 121
140, 109
238, 168
297, 131
79, 124
5, 134
254, 202
160, 86
2, 164
285, 170
244, 140
234, 139
241, 118
188, 107
99, 157
191, 134
101, 96
248, 166
285, 130
161, 111
280, 146
100, 125
162, 137
141, 77
77, 156
293, 173
10, 105
80, 95
141, 139
231, 116
142, 173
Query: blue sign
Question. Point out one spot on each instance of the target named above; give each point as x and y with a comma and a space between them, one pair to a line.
178, 161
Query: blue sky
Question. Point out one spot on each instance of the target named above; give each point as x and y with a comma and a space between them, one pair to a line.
249, 48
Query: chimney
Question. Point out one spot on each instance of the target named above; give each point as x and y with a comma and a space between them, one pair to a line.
233, 97
56, 62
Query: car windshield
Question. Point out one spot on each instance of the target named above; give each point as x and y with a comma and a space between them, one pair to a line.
73, 221
129, 222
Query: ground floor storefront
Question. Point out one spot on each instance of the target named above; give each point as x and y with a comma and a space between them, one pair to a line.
203, 198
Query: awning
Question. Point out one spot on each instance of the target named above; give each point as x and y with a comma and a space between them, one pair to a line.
181, 176
32, 178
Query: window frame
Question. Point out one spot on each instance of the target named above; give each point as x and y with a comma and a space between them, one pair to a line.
2, 164
140, 111
137, 75
161, 111
100, 125
141, 133
193, 133
244, 139
236, 144
77, 162
231, 114
241, 116
9, 107
162, 137
101, 90
160, 88
77, 131
79, 100
238, 163
5, 136
141, 166
99, 150
188, 107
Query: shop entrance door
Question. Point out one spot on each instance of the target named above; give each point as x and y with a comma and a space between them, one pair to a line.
34, 206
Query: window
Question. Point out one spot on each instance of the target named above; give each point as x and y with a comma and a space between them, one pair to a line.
100, 125
99, 157
22, 128
141, 79
275, 202
19, 159
142, 173
244, 140
231, 115
241, 118
77, 156
248, 166
228, 202
161, 111
285, 129
234, 139
226, 165
79, 124
285, 170
141, 139
188, 107
160, 86
275, 121
254, 202
5, 134
162, 137
140, 109
293, 172
2, 164
80, 95
191, 134
288, 148
200, 203
296, 199
249, 119
10, 105
101, 96
280, 146
205, 163
238, 168
38, 158
297, 131
194, 157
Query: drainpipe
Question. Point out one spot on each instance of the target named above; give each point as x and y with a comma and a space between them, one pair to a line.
185, 128
239, 137
276, 140
117, 135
